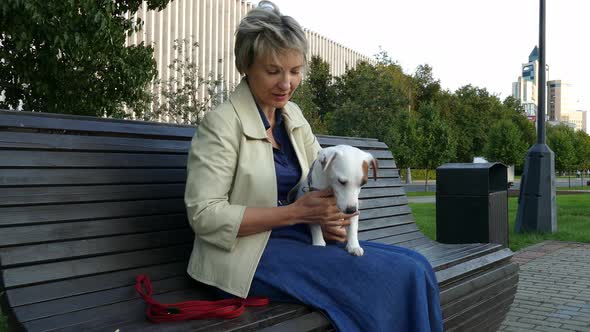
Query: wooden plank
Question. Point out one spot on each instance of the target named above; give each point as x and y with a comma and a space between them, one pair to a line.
416, 244
471, 267
432, 253
387, 232
46, 252
310, 322
112, 317
479, 295
471, 316
360, 143
89, 193
457, 291
373, 192
69, 159
27, 275
41, 293
402, 219
369, 198
395, 239
70, 304
23, 235
23, 120
62, 176
40, 214
384, 212
444, 262
371, 203
42, 141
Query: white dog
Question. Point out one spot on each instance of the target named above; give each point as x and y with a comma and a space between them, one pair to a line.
344, 169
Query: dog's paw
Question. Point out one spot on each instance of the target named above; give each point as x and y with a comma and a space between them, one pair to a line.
356, 251
319, 242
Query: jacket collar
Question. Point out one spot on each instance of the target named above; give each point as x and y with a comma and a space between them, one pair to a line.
247, 111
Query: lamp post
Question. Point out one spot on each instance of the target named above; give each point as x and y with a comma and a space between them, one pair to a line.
537, 206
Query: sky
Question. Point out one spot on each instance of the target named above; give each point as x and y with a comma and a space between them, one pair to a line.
483, 43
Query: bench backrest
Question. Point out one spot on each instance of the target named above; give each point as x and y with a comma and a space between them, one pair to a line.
84, 196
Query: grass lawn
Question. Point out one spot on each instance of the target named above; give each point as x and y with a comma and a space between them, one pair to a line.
574, 188
3, 326
573, 221
421, 193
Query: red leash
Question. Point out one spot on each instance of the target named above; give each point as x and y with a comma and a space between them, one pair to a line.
159, 313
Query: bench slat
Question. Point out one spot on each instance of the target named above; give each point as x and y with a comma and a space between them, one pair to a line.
134, 311
361, 144
90, 193
22, 235
26, 275
92, 284
21, 120
61, 159
39, 214
61, 176
42, 141
458, 271
42, 253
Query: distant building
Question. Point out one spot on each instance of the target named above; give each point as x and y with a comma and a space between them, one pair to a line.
585, 121
559, 99
526, 87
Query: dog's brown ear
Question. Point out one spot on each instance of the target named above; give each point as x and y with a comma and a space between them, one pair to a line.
375, 164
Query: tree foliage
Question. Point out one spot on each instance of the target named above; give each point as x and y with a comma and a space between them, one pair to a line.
436, 141
561, 139
70, 56
506, 143
179, 100
368, 99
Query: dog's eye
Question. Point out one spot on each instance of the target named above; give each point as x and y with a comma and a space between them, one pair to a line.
342, 182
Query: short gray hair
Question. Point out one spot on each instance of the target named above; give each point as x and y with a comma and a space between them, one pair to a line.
265, 31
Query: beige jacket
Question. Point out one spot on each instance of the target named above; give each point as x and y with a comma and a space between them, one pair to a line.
231, 167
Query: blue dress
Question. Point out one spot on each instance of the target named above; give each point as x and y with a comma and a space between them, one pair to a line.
389, 288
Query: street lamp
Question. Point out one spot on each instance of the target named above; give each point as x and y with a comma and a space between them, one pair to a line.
537, 206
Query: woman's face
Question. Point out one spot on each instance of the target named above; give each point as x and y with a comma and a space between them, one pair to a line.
273, 80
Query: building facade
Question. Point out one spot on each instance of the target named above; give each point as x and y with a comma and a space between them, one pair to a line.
559, 99
525, 89
212, 24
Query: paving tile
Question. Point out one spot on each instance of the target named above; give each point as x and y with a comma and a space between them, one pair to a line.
554, 289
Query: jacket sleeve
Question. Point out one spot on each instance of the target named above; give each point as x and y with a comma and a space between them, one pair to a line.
210, 171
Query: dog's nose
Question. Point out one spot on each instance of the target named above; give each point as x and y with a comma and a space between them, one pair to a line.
350, 209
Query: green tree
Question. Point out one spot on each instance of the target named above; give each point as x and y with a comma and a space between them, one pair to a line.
303, 97
473, 110
427, 89
437, 143
561, 140
506, 144
368, 99
582, 147
404, 142
320, 83
70, 56
179, 101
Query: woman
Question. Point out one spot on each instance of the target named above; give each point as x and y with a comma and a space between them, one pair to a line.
245, 157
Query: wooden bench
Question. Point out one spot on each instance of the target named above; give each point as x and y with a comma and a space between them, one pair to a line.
87, 204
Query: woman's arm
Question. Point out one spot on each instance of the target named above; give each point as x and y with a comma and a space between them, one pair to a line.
318, 207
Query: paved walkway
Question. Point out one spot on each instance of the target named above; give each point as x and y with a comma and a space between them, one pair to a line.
553, 289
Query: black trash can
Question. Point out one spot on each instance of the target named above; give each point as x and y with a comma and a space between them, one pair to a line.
472, 203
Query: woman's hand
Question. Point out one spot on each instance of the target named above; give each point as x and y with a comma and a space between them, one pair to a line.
319, 207
335, 233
